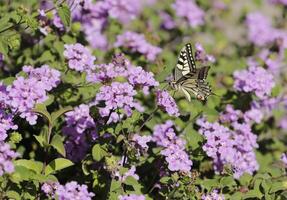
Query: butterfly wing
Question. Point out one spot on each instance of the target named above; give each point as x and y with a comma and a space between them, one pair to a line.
199, 88
185, 63
199, 74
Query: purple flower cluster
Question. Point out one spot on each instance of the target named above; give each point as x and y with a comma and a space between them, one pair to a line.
6, 157
106, 72
131, 197
80, 127
142, 140
254, 79
188, 10
49, 77
121, 67
138, 77
124, 10
117, 97
230, 147
6, 123
167, 22
72, 190
213, 196
174, 147
167, 103
283, 2
49, 188
230, 115
137, 43
261, 32
25, 93
79, 57
201, 56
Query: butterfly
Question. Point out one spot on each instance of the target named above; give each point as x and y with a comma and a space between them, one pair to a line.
187, 78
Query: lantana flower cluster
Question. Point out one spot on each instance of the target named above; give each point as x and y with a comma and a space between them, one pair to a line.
174, 147
232, 146
6, 157
25, 93
71, 190
137, 43
79, 129
254, 79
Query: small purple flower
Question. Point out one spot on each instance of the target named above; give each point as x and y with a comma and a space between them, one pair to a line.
72, 190
201, 56
167, 21
230, 114
79, 57
254, 79
284, 159
167, 103
213, 196
137, 43
49, 188
253, 115
6, 157
188, 10
142, 140
116, 97
131, 197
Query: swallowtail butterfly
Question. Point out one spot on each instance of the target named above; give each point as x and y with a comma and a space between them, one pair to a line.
187, 78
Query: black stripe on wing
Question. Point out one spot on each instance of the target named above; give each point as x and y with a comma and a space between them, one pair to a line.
190, 59
203, 72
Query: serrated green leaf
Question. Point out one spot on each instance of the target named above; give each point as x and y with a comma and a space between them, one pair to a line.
98, 152
57, 164
58, 144
65, 14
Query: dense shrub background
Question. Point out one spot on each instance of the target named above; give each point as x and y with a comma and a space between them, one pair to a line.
86, 112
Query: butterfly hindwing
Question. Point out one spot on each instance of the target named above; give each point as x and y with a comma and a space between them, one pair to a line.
199, 88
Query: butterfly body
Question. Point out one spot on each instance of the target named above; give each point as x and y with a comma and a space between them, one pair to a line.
187, 78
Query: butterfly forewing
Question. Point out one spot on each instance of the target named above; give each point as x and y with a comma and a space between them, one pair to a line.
185, 63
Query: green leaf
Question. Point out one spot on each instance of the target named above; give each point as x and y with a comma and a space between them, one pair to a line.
4, 48
253, 194
36, 166
57, 114
41, 109
57, 143
277, 186
13, 195
57, 164
115, 185
131, 181
98, 152
65, 14
165, 180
